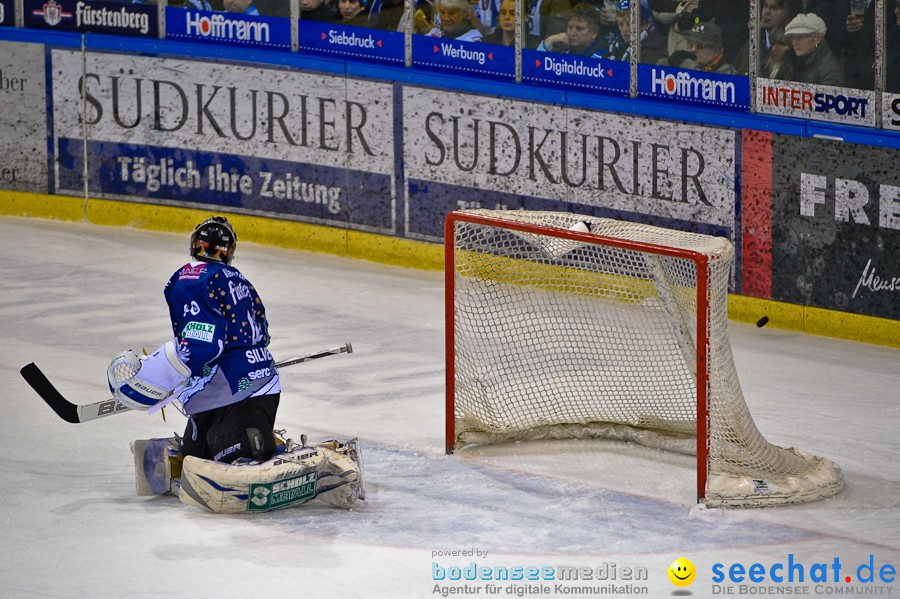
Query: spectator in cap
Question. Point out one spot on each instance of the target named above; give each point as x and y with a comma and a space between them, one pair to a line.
680, 16
815, 63
705, 51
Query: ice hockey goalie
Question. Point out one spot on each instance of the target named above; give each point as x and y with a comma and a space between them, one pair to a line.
330, 471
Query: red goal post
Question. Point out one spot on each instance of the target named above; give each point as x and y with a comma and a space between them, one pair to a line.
565, 326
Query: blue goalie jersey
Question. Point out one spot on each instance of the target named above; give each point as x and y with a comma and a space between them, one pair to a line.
222, 334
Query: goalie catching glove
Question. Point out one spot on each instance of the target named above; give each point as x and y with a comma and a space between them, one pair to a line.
140, 383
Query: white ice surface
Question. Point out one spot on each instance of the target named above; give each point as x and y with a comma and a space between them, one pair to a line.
74, 295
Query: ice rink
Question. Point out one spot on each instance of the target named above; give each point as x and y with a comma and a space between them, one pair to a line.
75, 295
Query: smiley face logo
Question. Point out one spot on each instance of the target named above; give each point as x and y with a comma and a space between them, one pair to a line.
682, 572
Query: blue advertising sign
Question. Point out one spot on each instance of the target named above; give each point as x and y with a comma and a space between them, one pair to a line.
464, 56
101, 17
695, 87
272, 33
568, 70
316, 192
8, 13
346, 40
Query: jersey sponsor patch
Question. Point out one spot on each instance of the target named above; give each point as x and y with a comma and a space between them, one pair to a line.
200, 331
191, 273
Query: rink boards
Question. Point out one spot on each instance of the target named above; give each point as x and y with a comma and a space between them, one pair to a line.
815, 222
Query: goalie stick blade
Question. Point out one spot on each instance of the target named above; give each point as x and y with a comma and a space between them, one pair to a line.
64, 408
53, 398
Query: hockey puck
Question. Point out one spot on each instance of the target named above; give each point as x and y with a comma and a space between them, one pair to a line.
762, 321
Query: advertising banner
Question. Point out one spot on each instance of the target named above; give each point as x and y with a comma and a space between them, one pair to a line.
836, 226
462, 151
8, 13
694, 87
582, 72
114, 18
312, 146
23, 122
817, 102
890, 118
272, 33
464, 57
358, 42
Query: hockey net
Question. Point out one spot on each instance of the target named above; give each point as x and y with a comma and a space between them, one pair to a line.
566, 326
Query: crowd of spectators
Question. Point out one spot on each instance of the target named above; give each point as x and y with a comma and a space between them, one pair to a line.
826, 42
272, 8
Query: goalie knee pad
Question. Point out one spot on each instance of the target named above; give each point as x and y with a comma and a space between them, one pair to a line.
249, 436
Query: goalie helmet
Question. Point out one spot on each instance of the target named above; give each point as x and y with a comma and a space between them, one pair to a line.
214, 240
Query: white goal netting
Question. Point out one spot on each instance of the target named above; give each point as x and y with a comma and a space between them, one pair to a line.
556, 337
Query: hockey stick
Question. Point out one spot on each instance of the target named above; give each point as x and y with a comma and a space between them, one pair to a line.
75, 413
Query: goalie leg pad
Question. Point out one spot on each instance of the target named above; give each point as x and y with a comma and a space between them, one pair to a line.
342, 484
156, 463
287, 480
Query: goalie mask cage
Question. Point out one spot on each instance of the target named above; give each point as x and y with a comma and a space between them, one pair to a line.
555, 332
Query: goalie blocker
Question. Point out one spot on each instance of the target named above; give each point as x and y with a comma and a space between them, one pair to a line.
330, 471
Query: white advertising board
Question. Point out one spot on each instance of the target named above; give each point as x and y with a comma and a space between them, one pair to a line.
23, 120
665, 169
240, 110
817, 102
890, 115
308, 146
